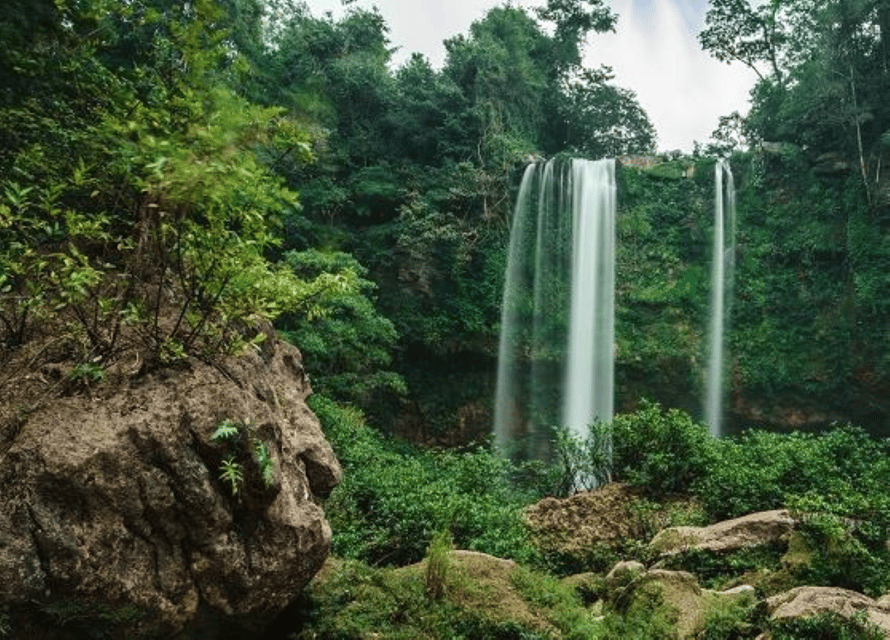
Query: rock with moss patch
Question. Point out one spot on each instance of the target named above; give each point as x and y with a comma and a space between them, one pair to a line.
806, 602
753, 530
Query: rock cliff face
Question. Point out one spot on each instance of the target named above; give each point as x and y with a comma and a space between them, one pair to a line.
113, 512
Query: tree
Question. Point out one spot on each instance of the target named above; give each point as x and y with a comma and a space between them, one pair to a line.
597, 119
829, 84
127, 186
737, 31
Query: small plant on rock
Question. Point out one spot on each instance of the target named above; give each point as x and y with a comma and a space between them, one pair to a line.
243, 443
437, 565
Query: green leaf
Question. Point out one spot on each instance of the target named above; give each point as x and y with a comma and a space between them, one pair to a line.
232, 473
264, 459
225, 430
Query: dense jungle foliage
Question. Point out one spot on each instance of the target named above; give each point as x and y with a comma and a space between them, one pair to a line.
245, 160
173, 175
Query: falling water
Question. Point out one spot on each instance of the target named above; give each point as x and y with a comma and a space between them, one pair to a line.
555, 363
507, 417
590, 371
721, 288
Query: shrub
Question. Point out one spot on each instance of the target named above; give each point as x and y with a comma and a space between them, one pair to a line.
349, 346
760, 470
663, 451
583, 464
437, 565
729, 620
394, 497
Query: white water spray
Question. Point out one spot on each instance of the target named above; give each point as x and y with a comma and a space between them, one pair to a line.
721, 292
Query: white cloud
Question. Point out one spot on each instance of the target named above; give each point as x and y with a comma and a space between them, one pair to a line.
654, 52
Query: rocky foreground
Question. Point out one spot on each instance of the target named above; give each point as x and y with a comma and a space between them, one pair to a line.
116, 511
734, 579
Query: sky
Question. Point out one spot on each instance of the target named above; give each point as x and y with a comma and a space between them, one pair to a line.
654, 52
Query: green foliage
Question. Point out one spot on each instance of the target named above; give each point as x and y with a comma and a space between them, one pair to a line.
715, 570
760, 470
846, 537
647, 617
661, 450
348, 346
558, 602
355, 601
584, 464
142, 191
394, 498
243, 445
232, 473
86, 372
729, 619
437, 565
226, 430
662, 283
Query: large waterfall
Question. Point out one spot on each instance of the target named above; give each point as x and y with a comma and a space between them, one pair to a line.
721, 292
555, 364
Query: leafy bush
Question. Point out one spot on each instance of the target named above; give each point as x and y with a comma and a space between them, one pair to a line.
394, 497
560, 603
729, 620
583, 464
348, 345
646, 618
663, 451
760, 470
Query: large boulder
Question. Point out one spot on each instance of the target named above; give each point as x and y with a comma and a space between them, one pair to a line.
805, 602
113, 510
753, 530
678, 591
576, 526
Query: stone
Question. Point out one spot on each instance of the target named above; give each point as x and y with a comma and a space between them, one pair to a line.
679, 591
804, 602
624, 573
752, 530
112, 500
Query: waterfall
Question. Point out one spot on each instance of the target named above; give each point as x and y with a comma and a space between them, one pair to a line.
555, 361
721, 292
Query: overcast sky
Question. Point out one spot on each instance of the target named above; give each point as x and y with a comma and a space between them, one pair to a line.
653, 52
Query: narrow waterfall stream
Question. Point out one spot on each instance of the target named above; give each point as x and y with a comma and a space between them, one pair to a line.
721, 293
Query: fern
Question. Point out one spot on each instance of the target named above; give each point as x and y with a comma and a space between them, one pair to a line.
226, 430
264, 459
233, 473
